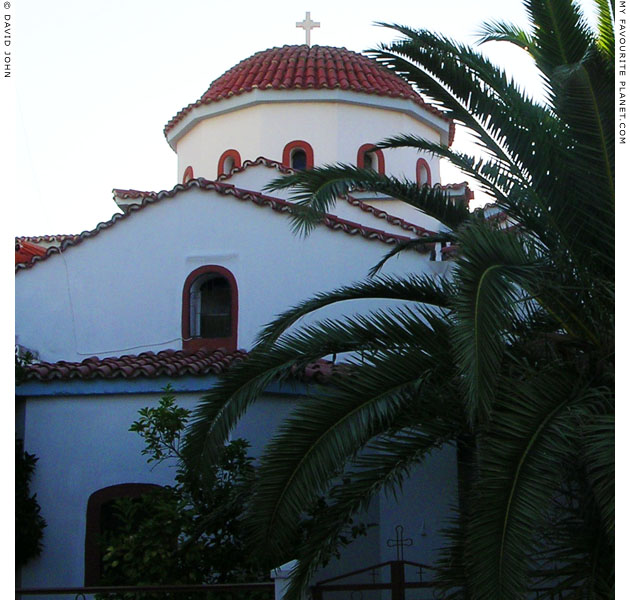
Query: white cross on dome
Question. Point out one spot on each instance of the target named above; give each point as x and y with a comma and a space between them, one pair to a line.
307, 25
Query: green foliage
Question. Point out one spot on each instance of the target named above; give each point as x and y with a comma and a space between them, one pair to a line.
193, 532
511, 358
187, 533
29, 524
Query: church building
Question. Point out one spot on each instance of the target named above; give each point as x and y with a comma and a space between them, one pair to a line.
174, 288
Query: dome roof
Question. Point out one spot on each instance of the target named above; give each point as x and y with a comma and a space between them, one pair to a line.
304, 67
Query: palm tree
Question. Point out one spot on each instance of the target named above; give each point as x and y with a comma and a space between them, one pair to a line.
524, 385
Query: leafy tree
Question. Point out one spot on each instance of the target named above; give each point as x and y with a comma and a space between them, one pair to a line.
29, 524
191, 532
510, 357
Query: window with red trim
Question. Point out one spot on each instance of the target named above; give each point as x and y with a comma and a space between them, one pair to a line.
298, 155
374, 160
210, 309
229, 160
101, 518
188, 175
423, 172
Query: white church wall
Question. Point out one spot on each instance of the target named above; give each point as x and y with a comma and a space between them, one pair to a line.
85, 442
336, 131
255, 177
114, 300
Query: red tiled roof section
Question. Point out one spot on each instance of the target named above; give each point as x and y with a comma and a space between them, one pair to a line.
145, 199
167, 363
314, 67
25, 251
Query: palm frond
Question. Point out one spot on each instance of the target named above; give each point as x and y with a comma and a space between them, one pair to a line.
424, 289
317, 190
414, 244
382, 466
492, 268
533, 431
219, 410
500, 31
324, 432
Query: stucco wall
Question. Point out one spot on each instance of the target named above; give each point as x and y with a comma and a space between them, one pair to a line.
84, 444
335, 131
121, 291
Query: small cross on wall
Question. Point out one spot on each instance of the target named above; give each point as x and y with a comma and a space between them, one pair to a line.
307, 25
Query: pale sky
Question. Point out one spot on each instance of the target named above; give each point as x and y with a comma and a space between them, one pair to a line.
97, 81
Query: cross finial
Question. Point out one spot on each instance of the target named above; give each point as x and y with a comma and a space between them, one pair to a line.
307, 25
400, 542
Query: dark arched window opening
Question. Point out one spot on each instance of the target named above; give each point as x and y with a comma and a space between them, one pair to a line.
298, 159
370, 158
298, 155
101, 519
210, 309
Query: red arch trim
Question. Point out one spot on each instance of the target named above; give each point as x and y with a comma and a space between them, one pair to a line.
92, 557
308, 149
377, 153
188, 175
194, 344
228, 154
419, 165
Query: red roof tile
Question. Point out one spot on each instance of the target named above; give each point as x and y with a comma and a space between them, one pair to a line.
25, 251
167, 363
171, 363
314, 67
147, 198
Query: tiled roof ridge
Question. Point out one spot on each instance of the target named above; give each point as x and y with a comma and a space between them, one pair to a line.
310, 67
391, 219
166, 363
34, 239
261, 160
147, 198
381, 214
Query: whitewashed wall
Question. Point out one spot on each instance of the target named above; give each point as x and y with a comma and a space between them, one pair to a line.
121, 291
335, 129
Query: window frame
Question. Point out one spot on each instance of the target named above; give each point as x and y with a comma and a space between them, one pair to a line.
380, 158
193, 344
92, 553
188, 175
298, 145
422, 163
234, 155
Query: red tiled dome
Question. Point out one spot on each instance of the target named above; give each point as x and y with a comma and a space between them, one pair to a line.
304, 67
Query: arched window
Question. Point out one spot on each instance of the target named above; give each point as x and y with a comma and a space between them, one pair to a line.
101, 518
188, 175
229, 160
298, 155
374, 160
210, 309
423, 172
